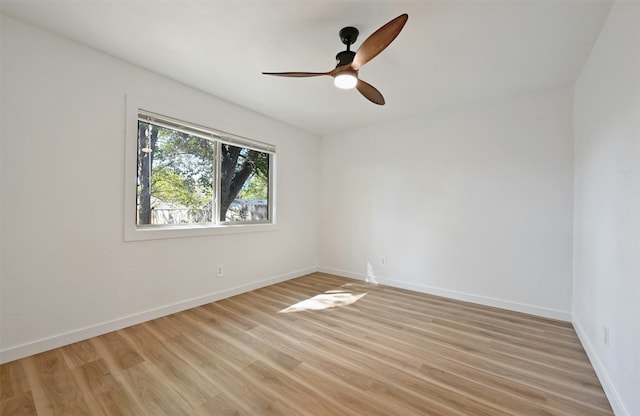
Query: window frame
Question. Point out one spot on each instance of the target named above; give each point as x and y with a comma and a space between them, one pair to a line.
134, 232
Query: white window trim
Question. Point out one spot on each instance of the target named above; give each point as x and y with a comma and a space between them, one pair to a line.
134, 233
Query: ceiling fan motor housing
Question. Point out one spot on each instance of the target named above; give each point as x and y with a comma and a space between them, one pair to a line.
344, 58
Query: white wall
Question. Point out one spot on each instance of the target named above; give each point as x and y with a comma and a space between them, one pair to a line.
607, 207
66, 272
473, 203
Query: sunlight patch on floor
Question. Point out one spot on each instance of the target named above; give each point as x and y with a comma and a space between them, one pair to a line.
330, 299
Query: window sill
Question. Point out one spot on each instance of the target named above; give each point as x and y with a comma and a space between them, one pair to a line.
186, 231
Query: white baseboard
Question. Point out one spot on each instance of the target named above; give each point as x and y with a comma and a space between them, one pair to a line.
467, 297
612, 394
59, 340
343, 273
482, 300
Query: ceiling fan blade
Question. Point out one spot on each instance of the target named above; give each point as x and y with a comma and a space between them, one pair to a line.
370, 92
297, 74
378, 41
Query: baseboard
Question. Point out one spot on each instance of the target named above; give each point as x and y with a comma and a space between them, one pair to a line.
612, 394
466, 297
59, 340
343, 273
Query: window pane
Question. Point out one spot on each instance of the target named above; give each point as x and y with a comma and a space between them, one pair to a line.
175, 176
244, 187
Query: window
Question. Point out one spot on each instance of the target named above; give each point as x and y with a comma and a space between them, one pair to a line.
189, 175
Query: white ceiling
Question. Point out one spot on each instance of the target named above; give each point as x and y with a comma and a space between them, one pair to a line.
450, 53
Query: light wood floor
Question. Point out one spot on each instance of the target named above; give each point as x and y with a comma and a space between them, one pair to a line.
392, 352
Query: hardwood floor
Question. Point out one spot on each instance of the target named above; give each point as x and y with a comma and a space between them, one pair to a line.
372, 350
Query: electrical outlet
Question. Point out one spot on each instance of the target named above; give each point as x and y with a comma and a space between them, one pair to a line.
606, 336
219, 270
383, 260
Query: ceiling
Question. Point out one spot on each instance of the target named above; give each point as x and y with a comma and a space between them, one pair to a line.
450, 53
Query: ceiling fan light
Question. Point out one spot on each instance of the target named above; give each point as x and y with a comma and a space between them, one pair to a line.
346, 80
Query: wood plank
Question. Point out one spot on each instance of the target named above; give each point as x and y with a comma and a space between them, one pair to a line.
124, 353
79, 353
58, 391
13, 381
19, 405
154, 395
106, 392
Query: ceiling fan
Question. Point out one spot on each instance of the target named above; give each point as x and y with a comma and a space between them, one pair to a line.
349, 63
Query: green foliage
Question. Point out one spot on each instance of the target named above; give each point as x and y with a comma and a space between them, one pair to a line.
168, 186
183, 169
192, 158
256, 187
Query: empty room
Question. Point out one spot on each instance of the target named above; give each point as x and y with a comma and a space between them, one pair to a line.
319, 208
